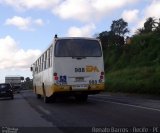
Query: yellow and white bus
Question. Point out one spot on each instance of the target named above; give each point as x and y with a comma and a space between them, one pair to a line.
71, 66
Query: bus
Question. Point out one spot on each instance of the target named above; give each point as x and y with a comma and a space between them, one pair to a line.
71, 66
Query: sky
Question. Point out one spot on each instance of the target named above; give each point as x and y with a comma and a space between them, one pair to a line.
27, 28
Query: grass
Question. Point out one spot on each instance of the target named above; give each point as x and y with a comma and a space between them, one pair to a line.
134, 68
134, 80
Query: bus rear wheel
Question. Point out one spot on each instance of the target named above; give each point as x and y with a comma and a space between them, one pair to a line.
46, 99
38, 96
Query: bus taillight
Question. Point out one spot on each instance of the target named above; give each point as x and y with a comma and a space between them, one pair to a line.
102, 73
101, 77
55, 76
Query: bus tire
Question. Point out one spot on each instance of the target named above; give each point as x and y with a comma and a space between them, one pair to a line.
81, 97
53, 98
38, 96
45, 98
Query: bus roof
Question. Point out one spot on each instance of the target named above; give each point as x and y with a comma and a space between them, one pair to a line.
90, 38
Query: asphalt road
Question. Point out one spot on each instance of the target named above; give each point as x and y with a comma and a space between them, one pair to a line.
109, 112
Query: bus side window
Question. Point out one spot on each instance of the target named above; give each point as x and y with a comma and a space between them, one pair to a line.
42, 63
50, 56
36, 67
45, 57
46, 60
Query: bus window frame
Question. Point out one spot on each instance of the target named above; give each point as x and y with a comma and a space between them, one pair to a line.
78, 56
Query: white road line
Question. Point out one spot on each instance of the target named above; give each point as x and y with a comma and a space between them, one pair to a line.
130, 105
44, 110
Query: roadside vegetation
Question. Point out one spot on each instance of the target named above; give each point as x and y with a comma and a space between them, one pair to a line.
27, 84
132, 64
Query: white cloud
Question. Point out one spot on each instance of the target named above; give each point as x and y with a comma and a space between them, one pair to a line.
74, 9
109, 5
88, 10
152, 10
31, 4
39, 22
81, 31
130, 15
137, 26
23, 23
81, 10
13, 57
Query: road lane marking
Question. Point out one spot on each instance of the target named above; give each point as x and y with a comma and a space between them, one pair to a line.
126, 97
44, 110
125, 104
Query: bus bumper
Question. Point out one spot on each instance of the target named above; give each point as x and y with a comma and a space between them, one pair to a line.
90, 89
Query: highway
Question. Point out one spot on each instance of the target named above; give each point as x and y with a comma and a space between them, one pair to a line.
26, 113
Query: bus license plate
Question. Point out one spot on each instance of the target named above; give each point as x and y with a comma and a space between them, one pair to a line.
79, 79
76, 87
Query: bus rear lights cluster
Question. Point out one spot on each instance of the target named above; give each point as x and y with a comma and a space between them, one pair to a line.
102, 75
55, 76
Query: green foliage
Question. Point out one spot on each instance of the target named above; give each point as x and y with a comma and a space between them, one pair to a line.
119, 27
151, 25
134, 80
134, 68
115, 37
27, 84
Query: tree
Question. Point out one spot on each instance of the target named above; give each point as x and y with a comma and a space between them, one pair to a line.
158, 26
150, 25
104, 37
116, 35
109, 39
119, 27
28, 83
140, 31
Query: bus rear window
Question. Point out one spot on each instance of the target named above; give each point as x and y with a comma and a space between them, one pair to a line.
77, 48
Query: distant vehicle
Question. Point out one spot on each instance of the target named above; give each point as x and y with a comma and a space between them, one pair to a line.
15, 81
6, 90
72, 66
